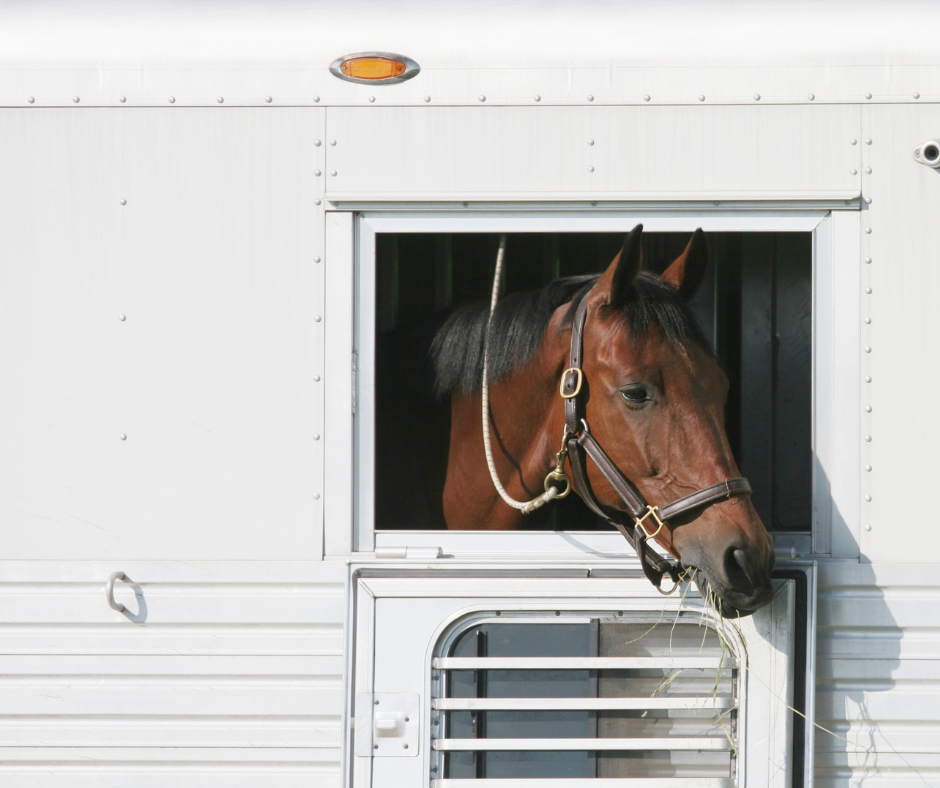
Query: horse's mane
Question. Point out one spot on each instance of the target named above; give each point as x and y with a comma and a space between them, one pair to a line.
520, 320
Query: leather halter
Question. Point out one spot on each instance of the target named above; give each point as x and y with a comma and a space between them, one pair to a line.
581, 442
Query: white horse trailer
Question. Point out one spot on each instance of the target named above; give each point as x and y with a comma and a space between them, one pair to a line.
209, 241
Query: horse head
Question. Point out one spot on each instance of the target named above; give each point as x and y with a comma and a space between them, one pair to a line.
655, 399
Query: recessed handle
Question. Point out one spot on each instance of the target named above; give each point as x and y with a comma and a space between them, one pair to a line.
109, 591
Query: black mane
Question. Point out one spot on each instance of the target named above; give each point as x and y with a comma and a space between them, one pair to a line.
520, 321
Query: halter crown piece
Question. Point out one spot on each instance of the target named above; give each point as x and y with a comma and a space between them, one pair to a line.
579, 443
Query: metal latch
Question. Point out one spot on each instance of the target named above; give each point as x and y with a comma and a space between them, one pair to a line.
387, 724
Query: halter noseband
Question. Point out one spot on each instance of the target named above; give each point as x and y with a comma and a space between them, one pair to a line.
648, 520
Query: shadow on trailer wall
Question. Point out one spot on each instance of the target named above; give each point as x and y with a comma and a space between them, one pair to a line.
755, 307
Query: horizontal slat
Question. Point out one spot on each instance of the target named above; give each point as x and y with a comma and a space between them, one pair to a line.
548, 704
592, 782
589, 745
575, 663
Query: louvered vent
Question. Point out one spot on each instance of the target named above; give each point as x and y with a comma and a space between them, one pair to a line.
647, 701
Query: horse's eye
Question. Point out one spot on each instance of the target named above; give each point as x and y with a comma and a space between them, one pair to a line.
636, 395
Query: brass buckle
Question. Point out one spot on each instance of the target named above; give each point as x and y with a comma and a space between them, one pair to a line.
651, 512
577, 389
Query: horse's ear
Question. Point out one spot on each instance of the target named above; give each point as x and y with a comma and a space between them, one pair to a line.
687, 270
614, 284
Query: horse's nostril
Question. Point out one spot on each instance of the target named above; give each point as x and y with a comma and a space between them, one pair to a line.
736, 570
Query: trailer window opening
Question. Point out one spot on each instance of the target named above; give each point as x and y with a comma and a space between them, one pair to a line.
755, 307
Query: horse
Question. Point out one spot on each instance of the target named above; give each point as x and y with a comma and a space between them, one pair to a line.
653, 394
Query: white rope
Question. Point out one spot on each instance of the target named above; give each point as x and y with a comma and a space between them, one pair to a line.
552, 492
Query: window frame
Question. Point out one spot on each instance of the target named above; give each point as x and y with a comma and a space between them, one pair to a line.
350, 333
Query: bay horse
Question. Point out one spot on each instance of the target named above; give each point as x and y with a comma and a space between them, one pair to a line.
653, 394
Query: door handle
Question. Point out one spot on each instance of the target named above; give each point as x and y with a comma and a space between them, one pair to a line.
109, 591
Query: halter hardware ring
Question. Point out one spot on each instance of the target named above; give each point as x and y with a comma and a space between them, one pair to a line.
577, 389
651, 512
558, 476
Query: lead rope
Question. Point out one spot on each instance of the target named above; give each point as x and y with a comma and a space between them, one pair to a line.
557, 475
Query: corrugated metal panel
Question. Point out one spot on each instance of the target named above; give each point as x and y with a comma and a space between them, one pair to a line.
878, 676
218, 675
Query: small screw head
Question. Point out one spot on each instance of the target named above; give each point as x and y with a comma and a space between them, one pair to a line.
590, 98
123, 436
372, 99
172, 99
557, 612
316, 99
317, 319
646, 97
757, 97
811, 97
31, 100
916, 95
221, 99
123, 201
122, 318
537, 98
407, 720
701, 97
375, 746
427, 99
481, 98
590, 169
404, 746
123, 99
376, 703
76, 99
868, 95
333, 143
268, 99
593, 204
466, 205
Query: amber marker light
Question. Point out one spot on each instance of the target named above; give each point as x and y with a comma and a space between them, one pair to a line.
374, 68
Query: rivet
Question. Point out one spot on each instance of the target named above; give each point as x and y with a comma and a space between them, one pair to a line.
316, 378
868, 290
868, 231
868, 438
917, 95
590, 98
590, 142
853, 142
867, 379
316, 99
868, 170
811, 97
318, 143
316, 259
317, 319
868, 260
407, 720
122, 318
646, 97
867, 527
868, 498
376, 703
716, 203
333, 173
537, 98
316, 436
123, 99
123, 436
76, 99
317, 201
436, 722
868, 468
868, 408
867, 321
268, 99
867, 349
557, 612
868, 141
316, 496
221, 99
854, 172
868, 201
466, 205
482, 98
757, 97
594, 204
404, 746
590, 169
31, 100
172, 99
375, 746
868, 95
123, 201
333, 143
372, 99
317, 173
427, 99
701, 98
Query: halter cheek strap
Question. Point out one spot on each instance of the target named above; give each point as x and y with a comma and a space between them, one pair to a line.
647, 520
